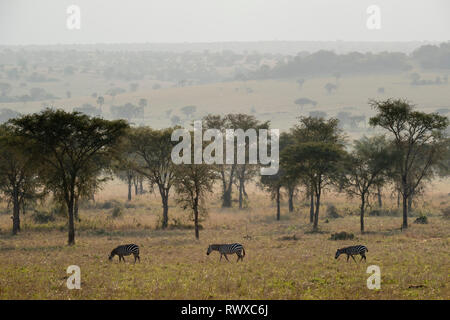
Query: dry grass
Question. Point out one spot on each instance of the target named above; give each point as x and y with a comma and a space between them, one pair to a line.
414, 263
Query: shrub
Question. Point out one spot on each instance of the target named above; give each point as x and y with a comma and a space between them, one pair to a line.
117, 212
42, 217
342, 236
332, 212
422, 219
108, 204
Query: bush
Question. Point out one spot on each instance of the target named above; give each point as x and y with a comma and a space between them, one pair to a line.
108, 204
342, 236
42, 217
117, 212
332, 212
422, 219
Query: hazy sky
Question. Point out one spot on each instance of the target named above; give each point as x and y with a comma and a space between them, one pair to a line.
122, 21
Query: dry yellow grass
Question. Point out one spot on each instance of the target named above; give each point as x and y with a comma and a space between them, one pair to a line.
414, 263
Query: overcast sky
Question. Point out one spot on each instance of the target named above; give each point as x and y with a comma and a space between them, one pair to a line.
125, 21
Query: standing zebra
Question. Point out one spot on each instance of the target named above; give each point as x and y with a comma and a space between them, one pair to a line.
225, 249
126, 250
353, 250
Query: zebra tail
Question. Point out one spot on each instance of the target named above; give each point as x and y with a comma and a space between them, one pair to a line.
243, 251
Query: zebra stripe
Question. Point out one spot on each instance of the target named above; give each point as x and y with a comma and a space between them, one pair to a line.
126, 250
353, 250
225, 249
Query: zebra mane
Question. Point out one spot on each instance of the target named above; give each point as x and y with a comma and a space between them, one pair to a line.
215, 246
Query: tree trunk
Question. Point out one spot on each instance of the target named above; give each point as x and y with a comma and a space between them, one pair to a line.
311, 207
278, 203
398, 199
70, 205
129, 189
227, 198
16, 213
197, 234
291, 199
406, 195
362, 212
405, 212
141, 186
316, 214
135, 187
165, 221
241, 188
380, 200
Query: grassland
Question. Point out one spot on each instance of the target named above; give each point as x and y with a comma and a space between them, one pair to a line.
414, 263
270, 99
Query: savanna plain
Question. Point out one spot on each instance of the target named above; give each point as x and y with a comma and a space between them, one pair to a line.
284, 259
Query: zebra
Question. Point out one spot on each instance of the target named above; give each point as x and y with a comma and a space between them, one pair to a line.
225, 249
126, 250
353, 250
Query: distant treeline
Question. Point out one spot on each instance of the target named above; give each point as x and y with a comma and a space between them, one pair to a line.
328, 62
202, 67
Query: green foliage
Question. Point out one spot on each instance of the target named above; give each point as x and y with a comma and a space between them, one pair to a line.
423, 219
42, 217
73, 148
332, 212
117, 211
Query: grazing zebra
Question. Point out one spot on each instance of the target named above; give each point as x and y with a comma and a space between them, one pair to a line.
126, 250
350, 251
225, 249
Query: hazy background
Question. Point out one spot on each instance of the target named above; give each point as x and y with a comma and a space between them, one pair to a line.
169, 21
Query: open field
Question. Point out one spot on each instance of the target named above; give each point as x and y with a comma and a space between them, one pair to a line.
270, 99
414, 263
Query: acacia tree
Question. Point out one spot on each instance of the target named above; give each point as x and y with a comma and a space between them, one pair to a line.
313, 129
18, 172
125, 162
283, 178
315, 156
419, 139
193, 182
69, 144
366, 169
234, 173
273, 184
245, 171
226, 171
153, 149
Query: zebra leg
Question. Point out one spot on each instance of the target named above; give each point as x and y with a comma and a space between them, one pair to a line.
220, 257
353, 259
226, 257
363, 256
348, 256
